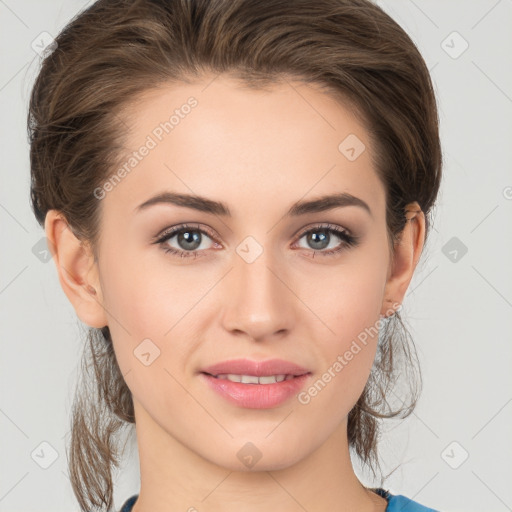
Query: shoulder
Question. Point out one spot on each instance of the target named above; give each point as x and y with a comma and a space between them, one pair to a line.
397, 502
128, 504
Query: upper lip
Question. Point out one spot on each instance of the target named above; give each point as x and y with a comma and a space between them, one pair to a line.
255, 368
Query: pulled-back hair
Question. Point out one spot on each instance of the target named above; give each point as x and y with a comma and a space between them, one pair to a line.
117, 49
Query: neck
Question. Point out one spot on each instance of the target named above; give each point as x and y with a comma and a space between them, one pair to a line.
175, 478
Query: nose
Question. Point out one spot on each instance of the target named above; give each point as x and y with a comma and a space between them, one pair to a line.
257, 300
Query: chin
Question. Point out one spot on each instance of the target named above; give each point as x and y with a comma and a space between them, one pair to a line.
245, 456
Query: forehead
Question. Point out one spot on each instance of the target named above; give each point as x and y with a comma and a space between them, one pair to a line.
217, 137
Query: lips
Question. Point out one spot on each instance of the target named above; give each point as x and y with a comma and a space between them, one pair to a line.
249, 367
255, 384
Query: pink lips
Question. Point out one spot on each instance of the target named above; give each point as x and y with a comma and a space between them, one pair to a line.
256, 396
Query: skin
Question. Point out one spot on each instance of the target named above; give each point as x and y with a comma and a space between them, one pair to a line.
258, 152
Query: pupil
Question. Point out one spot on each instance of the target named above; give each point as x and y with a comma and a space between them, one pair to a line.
314, 239
189, 240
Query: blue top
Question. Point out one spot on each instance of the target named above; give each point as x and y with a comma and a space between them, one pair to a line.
396, 503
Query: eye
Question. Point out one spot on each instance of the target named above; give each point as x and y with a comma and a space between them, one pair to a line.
188, 238
321, 237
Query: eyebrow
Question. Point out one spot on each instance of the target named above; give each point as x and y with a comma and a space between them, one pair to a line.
203, 204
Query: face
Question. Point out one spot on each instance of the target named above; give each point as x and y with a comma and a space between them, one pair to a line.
260, 278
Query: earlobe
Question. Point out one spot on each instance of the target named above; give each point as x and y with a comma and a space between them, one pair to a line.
77, 271
407, 252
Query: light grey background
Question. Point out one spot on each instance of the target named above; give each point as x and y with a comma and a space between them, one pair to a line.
458, 306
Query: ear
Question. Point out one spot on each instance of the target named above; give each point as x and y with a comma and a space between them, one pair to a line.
77, 271
407, 252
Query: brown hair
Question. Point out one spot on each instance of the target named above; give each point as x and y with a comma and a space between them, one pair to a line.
109, 53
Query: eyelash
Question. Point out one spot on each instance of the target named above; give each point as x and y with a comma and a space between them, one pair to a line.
347, 239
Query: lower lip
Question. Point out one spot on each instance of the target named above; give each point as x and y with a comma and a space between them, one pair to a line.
256, 396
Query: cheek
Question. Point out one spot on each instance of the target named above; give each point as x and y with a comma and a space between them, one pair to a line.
132, 304
146, 299
140, 295
347, 361
351, 309
352, 301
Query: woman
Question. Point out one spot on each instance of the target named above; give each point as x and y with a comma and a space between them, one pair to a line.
236, 194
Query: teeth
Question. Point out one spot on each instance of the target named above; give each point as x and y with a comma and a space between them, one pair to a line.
271, 379
252, 379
